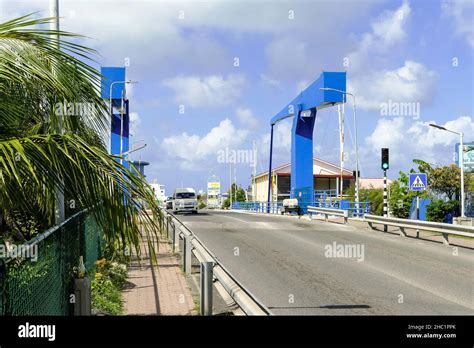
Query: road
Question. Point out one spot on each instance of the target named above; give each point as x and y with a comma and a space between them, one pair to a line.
286, 262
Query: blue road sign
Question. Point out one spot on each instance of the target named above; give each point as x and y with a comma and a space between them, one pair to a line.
418, 181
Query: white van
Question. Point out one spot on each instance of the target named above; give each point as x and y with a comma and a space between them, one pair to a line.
184, 199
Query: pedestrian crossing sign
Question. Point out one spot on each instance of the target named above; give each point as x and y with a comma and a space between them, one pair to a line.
418, 181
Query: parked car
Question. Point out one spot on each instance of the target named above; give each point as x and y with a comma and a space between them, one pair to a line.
169, 203
185, 200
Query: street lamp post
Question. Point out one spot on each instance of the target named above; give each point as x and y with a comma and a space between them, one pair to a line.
121, 111
54, 14
461, 161
355, 139
60, 214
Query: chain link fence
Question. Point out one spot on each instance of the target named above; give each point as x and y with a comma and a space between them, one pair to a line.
39, 281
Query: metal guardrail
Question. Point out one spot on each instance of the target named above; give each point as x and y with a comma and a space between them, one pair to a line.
439, 227
329, 211
357, 209
210, 268
354, 209
259, 207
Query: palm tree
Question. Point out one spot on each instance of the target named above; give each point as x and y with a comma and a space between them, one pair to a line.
43, 149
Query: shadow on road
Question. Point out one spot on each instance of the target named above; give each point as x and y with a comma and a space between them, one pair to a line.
326, 307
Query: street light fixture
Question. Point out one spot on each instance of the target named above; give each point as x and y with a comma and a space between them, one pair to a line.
355, 136
121, 110
461, 160
126, 153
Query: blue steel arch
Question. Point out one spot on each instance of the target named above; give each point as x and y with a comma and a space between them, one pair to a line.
304, 109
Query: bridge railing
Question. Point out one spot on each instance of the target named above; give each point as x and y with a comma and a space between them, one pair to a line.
259, 207
357, 209
438, 227
210, 268
329, 212
354, 209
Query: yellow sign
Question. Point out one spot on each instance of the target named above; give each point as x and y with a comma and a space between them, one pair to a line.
216, 185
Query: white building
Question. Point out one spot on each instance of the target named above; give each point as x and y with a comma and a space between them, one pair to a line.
372, 183
159, 191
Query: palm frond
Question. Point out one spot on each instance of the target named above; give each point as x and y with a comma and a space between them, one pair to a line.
44, 149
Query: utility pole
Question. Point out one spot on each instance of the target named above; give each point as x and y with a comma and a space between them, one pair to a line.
461, 164
230, 180
54, 13
235, 180
357, 158
461, 161
341, 141
121, 126
254, 180
385, 165
59, 213
270, 171
385, 201
356, 141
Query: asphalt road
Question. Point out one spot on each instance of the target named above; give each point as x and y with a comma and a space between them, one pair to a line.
288, 264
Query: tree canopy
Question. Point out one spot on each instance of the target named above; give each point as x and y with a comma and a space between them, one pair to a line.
44, 151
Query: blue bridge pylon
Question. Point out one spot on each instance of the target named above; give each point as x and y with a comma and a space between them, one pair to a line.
304, 108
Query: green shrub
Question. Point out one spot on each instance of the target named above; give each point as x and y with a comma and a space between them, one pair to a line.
373, 195
106, 297
400, 200
437, 210
109, 280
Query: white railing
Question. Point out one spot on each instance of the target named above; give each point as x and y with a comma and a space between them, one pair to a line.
402, 224
329, 211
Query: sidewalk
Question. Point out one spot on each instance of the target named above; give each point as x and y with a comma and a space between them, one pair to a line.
157, 290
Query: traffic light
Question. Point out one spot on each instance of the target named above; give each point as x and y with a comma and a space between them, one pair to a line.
385, 164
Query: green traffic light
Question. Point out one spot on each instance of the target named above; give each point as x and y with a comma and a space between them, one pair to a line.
385, 166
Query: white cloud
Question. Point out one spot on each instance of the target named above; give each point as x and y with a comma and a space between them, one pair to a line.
462, 14
389, 26
433, 137
246, 117
192, 150
208, 91
282, 134
414, 140
301, 85
281, 139
387, 30
189, 41
289, 58
135, 122
412, 82
302, 47
267, 80
146, 44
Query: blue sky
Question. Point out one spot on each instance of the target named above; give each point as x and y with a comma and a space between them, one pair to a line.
184, 53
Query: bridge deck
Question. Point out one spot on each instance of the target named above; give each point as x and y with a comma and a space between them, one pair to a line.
283, 261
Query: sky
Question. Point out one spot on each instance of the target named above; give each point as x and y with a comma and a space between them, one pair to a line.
211, 75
